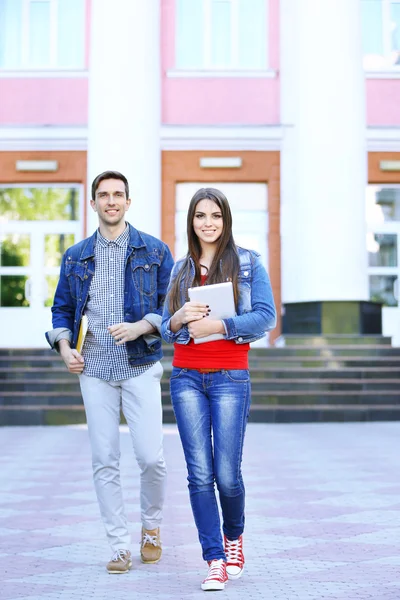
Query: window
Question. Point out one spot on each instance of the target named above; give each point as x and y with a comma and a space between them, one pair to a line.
381, 34
42, 34
221, 34
383, 243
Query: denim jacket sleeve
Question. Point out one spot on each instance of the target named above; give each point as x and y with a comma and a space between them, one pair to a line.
182, 335
163, 277
63, 309
262, 316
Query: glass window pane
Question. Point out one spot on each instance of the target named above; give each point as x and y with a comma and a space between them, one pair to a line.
10, 33
39, 34
372, 33
383, 205
15, 250
253, 32
51, 284
71, 34
12, 290
55, 244
221, 34
382, 250
190, 34
383, 288
39, 204
395, 31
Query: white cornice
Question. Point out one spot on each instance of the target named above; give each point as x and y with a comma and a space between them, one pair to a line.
45, 74
393, 73
383, 139
43, 138
214, 137
173, 137
222, 74
182, 137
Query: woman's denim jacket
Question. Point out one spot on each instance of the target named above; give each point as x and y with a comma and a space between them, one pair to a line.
256, 312
148, 267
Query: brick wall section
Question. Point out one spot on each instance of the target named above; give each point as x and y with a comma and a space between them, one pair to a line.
257, 167
375, 175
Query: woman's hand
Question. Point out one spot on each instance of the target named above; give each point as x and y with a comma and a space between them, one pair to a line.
199, 329
190, 311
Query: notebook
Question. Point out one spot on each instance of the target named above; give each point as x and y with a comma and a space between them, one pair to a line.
219, 297
83, 327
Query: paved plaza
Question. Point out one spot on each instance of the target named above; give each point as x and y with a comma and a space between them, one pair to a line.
323, 517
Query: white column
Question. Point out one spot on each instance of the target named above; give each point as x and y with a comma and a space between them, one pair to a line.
324, 157
125, 105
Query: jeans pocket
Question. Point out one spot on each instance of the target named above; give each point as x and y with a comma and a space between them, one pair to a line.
238, 375
177, 372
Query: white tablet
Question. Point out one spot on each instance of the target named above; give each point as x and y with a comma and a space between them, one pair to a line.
220, 299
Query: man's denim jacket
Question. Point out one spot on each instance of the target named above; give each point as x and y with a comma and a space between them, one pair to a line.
256, 312
147, 271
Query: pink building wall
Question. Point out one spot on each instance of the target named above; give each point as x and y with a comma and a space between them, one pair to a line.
383, 102
198, 101
227, 100
46, 100
43, 101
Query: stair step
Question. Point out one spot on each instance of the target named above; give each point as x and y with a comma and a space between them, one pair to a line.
332, 339
271, 397
64, 415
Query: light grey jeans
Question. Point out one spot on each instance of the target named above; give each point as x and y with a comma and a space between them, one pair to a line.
140, 400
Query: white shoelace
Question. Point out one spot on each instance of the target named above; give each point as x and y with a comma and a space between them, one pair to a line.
216, 570
149, 539
119, 555
233, 551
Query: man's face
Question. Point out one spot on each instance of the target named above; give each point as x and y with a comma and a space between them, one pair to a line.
111, 202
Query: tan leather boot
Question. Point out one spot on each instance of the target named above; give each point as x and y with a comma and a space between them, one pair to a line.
120, 562
150, 547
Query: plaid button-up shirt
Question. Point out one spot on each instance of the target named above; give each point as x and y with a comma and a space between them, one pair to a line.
103, 358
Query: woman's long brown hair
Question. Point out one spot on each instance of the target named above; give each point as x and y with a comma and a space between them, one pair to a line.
225, 264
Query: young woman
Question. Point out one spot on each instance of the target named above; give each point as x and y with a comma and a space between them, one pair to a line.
210, 385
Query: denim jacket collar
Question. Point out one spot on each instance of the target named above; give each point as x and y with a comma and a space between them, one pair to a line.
135, 241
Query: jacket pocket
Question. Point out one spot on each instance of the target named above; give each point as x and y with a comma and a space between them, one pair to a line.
144, 274
76, 273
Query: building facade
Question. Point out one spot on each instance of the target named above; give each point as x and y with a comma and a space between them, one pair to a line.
291, 107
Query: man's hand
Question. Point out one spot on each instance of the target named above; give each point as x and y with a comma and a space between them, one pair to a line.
128, 332
199, 329
72, 359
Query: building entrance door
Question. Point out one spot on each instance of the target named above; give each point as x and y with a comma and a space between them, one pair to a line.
37, 225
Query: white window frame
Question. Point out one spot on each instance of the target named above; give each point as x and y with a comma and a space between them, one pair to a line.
208, 69
25, 69
388, 228
389, 71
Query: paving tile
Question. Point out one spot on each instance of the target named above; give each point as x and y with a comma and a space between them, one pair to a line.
322, 520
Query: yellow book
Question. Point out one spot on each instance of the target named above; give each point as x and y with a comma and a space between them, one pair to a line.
83, 327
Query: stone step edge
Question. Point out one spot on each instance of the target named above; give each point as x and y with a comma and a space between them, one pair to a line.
252, 369
263, 407
258, 380
253, 393
254, 358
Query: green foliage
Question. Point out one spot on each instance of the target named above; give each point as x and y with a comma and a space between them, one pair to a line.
39, 204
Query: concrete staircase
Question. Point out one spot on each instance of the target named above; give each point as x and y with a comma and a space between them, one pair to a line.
335, 378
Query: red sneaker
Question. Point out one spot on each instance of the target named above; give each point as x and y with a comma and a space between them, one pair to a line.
234, 557
216, 577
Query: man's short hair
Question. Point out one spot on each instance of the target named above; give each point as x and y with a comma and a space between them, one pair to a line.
109, 175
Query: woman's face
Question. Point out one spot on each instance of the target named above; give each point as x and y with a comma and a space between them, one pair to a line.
207, 222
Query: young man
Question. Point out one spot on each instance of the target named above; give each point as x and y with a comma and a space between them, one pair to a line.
118, 278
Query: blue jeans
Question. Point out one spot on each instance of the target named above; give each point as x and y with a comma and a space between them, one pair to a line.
211, 411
